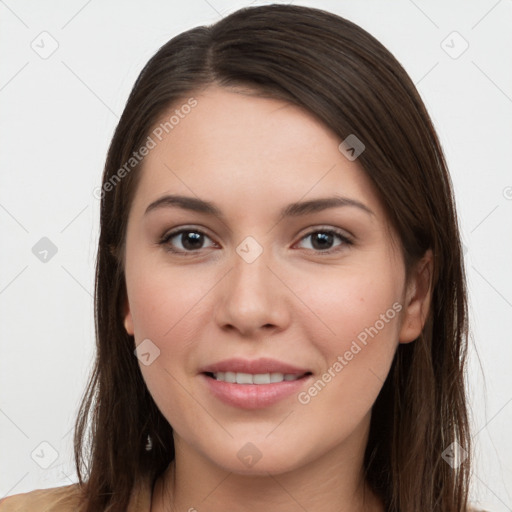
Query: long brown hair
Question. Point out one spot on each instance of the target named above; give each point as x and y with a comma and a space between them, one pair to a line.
345, 77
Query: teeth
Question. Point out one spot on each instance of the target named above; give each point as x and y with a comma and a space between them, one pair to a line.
258, 378
261, 378
244, 378
230, 377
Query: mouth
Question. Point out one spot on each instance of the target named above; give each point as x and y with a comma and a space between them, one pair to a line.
255, 384
255, 378
248, 368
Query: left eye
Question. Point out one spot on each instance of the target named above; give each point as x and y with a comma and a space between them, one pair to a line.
322, 238
192, 240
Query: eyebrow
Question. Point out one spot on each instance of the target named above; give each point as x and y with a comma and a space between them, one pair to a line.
292, 210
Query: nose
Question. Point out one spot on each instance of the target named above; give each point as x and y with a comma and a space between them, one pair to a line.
252, 299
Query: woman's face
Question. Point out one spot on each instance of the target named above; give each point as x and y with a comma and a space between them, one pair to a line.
319, 291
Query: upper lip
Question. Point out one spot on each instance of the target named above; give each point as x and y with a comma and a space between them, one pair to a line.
257, 366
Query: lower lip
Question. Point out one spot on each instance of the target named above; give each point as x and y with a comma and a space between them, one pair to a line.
253, 396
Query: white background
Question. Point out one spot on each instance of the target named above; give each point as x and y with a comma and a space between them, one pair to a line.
57, 117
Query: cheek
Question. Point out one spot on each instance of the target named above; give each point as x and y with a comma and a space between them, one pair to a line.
164, 309
162, 299
171, 394
360, 315
349, 303
168, 307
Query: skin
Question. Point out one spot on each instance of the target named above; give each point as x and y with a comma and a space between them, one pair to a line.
252, 156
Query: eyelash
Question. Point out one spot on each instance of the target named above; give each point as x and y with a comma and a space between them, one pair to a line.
168, 236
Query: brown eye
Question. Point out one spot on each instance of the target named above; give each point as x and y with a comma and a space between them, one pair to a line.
184, 240
322, 240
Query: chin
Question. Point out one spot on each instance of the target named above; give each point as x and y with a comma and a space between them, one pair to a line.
257, 458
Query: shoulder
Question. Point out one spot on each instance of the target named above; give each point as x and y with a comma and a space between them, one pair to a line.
55, 499
69, 498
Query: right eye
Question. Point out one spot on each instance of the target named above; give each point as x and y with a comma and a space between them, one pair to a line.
191, 240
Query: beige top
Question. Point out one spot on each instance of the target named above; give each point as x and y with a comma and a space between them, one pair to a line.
65, 499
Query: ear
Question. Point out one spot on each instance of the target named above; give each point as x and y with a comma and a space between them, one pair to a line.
128, 322
418, 299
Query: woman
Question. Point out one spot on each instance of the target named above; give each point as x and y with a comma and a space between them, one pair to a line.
305, 347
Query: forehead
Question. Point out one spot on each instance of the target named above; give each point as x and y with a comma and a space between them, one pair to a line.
248, 151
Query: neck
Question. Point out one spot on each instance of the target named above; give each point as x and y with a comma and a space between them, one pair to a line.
333, 482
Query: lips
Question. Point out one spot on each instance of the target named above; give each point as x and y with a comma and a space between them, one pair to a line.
253, 384
257, 366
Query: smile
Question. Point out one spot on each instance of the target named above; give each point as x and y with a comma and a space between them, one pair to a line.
258, 378
253, 391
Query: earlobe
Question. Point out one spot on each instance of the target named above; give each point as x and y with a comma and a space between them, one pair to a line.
418, 299
128, 323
